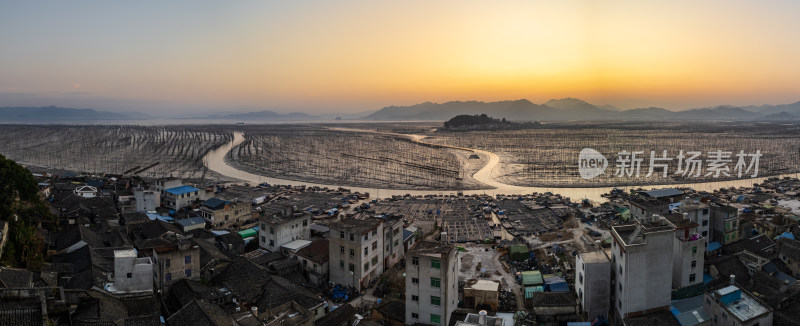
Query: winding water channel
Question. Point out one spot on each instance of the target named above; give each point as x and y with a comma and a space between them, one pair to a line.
215, 161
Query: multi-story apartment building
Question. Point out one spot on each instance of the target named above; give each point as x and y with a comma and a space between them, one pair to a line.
593, 283
725, 220
174, 261
355, 252
431, 283
732, 305
393, 249
687, 251
223, 214
180, 197
641, 262
282, 228
699, 213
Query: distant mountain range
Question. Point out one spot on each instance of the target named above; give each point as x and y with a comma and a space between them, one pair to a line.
55, 114
576, 109
566, 109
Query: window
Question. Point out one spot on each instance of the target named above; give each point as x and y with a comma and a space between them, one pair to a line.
705, 222
352, 268
436, 282
366, 237
705, 211
168, 277
366, 266
414, 280
341, 249
414, 260
397, 230
271, 243
705, 233
436, 301
315, 265
620, 303
341, 264
188, 259
414, 298
396, 243
694, 250
414, 315
374, 260
166, 262
436, 319
352, 237
305, 222
366, 251
580, 278
374, 245
694, 263
271, 230
619, 267
130, 275
691, 278
352, 252
188, 272
341, 234
263, 239
375, 232
620, 286
436, 263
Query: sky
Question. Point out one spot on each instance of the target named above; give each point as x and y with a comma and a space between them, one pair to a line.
189, 57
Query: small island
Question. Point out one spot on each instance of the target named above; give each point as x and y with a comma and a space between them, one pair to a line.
467, 122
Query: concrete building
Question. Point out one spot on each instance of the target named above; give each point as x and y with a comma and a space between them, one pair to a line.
223, 214
282, 228
789, 253
482, 293
132, 273
180, 197
314, 260
732, 305
699, 213
688, 252
394, 249
431, 283
178, 260
593, 283
355, 252
161, 185
642, 266
146, 200
725, 220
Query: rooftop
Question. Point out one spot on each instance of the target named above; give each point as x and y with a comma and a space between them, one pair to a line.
485, 285
191, 221
744, 308
356, 226
181, 190
297, 244
430, 247
594, 257
666, 192
125, 253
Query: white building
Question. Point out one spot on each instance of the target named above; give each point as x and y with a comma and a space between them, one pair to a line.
699, 213
642, 266
280, 229
355, 251
431, 283
593, 283
180, 197
393, 250
688, 252
146, 200
733, 306
131, 273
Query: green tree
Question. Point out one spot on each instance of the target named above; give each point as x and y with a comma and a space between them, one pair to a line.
21, 207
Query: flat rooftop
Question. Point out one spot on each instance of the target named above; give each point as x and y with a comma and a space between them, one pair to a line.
594, 257
430, 247
745, 308
355, 226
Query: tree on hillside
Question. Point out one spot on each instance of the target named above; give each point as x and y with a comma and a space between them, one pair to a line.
20, 206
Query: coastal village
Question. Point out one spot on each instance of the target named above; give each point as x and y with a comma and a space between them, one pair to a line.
132, 251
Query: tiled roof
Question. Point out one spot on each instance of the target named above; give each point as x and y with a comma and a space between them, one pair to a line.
15, 278
338, 317
316, 252
395, 310
553, 299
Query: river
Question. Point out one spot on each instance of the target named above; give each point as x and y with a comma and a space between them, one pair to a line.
215, 160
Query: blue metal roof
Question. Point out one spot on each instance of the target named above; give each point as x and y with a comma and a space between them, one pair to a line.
181, 190
713, 246
787, 235
407, 234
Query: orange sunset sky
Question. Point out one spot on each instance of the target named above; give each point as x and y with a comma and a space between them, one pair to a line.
351, 56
